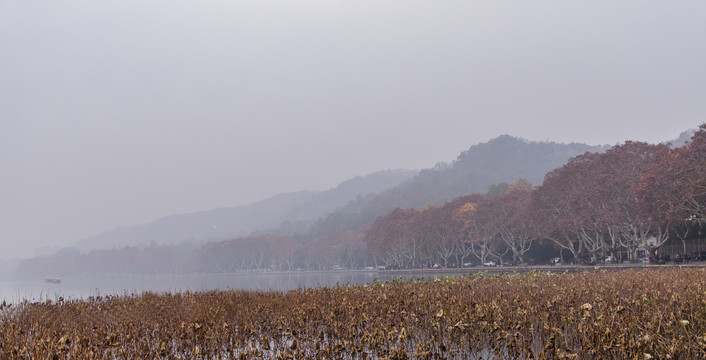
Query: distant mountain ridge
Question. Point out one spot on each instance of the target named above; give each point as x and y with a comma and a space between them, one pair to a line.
231, 222
503, 159
357, 201
317, 228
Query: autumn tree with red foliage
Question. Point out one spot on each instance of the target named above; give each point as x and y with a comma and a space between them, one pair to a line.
481, 229
676, 185
515, 222
461, 211
390, 234
560, 205
619, 172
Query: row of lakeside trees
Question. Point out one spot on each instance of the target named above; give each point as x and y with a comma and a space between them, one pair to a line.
630, 199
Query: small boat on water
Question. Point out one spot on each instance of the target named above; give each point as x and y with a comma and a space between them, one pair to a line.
53, 280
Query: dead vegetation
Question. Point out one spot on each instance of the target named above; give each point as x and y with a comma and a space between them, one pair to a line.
627, 314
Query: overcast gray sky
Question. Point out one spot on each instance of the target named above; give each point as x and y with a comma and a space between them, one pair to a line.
118, 112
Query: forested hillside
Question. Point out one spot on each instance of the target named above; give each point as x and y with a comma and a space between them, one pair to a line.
626, 201
335, 239
501, 160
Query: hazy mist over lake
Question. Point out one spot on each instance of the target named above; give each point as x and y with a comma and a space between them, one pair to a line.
117, 113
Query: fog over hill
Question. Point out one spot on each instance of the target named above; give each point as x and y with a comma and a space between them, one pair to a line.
359, 200
117, 113
502, 159
230, 222
306, 228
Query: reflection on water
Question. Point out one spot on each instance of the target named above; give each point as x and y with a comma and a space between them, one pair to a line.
83, 287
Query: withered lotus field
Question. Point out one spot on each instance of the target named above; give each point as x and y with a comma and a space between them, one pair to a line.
630, 314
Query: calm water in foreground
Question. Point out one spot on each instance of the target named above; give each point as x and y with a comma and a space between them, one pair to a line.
83, 287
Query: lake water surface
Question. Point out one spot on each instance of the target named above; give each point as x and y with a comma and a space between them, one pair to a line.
83, 287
